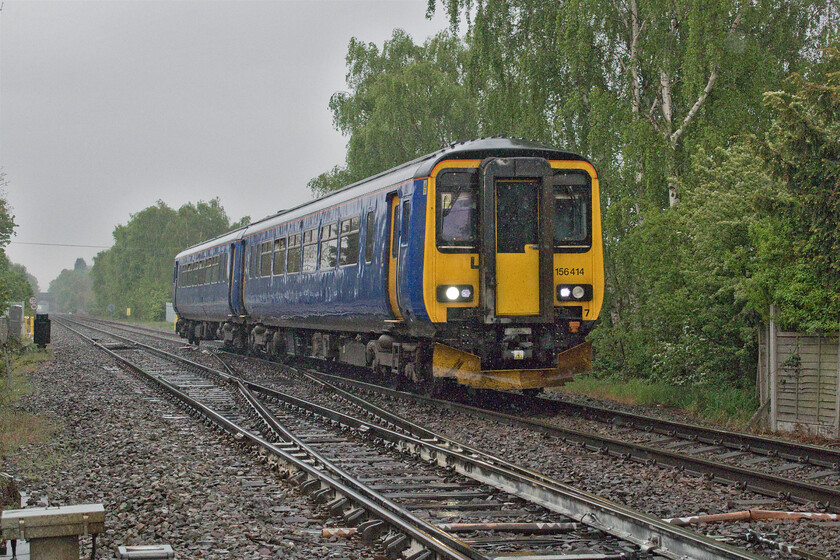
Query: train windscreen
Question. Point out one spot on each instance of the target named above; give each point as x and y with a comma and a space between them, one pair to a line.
457, 200
572, 211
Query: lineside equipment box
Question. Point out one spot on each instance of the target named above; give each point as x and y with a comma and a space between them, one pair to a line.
53, 532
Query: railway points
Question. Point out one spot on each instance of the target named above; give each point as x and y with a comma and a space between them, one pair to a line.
285, 378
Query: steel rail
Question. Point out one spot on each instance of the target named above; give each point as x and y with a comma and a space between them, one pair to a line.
127, 327
430, 542
767, 484
772, 447
358, 486
793, 451
647, 532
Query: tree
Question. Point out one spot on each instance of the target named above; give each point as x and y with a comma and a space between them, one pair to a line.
798, 242
14, 280
72, 289
404, 101
637, 85
136, 272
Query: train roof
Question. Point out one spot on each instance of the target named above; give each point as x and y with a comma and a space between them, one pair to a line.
228, 237
414, 169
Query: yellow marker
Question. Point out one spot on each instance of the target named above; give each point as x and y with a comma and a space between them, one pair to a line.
128, 312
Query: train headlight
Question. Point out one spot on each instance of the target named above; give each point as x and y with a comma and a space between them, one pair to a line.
574, 292
454, 293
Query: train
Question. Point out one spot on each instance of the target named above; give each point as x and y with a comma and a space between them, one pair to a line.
479, 264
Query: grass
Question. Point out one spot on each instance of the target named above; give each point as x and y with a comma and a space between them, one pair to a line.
731, 407
17, 427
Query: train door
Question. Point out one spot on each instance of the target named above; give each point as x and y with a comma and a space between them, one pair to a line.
517, 247
517, 239
236, 284
394, 254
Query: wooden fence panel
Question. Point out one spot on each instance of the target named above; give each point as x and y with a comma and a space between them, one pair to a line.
799, 374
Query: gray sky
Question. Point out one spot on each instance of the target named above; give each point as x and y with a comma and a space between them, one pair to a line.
106, 107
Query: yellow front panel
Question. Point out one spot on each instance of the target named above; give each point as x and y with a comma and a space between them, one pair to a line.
462, 268
518, 283
446, 268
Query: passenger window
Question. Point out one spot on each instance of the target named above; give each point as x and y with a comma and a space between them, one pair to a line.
369, 238
293, 260
201, 272
310, 250
279, 256
329, 246
225, 276
405, 221
265, 258
349, 247
395, 227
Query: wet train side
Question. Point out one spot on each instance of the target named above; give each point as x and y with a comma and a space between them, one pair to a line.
481, 263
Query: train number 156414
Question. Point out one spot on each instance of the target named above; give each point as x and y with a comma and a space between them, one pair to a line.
569, 271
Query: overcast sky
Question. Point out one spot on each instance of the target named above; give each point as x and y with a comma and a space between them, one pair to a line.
107, 107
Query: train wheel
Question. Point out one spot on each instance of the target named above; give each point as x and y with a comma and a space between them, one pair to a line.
240, 343
531, 393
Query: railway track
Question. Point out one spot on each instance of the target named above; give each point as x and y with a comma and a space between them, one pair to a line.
801, 461
453, 482
157, 334
674, 449
804, 474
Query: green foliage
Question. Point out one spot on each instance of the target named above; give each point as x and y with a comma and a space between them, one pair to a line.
73, 289
798, 242
404, 101
15, 284
136, 272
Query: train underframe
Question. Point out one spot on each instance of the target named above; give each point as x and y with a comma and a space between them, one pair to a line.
502, 357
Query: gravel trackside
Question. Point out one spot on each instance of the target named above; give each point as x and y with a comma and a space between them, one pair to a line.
162, 476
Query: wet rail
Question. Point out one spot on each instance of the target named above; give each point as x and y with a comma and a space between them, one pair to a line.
678, 455
486, 481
